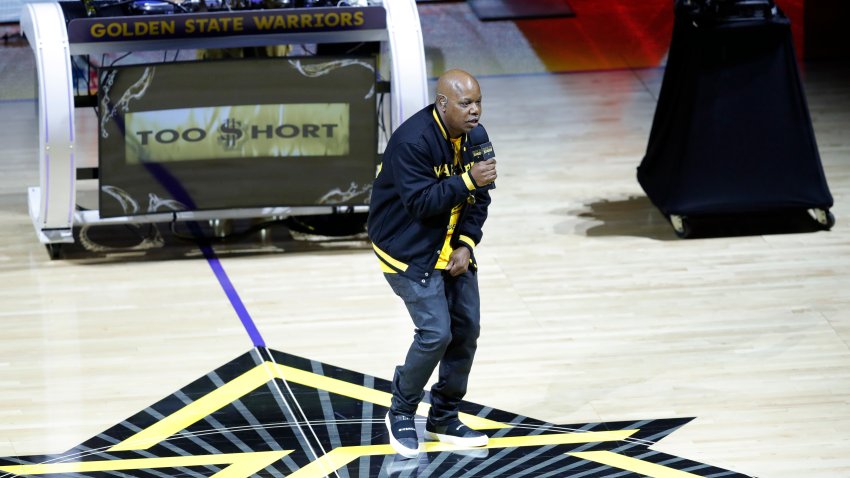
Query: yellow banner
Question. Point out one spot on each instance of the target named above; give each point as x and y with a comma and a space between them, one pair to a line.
241, 131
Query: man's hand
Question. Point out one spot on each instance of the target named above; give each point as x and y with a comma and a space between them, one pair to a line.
458, 261
483, 172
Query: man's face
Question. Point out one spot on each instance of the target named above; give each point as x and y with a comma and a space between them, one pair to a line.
461, 107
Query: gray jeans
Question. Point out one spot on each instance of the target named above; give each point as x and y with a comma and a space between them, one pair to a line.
446, 314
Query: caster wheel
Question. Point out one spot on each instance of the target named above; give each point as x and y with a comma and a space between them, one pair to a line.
54, 250
825, 218
680, 225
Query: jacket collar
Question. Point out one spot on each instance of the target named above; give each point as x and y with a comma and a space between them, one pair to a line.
441, 125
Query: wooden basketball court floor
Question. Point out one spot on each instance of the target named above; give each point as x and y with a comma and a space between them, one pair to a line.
609, 346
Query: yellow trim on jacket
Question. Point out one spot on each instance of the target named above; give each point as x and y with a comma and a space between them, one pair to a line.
466, 240
388, 263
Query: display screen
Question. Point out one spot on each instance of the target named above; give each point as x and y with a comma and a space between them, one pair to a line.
244, 133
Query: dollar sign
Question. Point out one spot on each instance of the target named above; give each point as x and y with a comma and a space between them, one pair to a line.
231, 133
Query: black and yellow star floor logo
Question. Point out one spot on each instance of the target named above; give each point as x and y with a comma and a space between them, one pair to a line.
272, 414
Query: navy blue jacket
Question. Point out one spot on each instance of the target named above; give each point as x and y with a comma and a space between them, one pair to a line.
414, 193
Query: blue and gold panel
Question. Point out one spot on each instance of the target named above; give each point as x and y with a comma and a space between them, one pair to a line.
271, 414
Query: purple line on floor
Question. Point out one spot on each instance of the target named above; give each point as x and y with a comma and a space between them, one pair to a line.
178, 192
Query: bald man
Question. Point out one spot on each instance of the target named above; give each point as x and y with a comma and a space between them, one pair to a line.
429, 203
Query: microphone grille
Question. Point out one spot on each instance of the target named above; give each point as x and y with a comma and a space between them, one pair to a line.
478, 135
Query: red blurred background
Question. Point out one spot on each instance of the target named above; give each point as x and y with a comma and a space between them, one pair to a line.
613, 34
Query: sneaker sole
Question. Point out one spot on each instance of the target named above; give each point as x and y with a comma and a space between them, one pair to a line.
397, 446
477, 441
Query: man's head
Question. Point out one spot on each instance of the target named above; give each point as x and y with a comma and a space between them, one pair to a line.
458, 101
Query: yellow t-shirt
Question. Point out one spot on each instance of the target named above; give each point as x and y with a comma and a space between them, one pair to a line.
447, 250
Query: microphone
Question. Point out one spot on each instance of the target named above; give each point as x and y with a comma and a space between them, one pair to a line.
482, 148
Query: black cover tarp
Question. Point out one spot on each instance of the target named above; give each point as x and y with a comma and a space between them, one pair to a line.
732, 131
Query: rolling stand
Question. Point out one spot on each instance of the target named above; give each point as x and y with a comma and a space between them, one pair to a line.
58, 31
732, 135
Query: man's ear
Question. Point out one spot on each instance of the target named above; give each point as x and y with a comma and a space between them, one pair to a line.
443, 102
